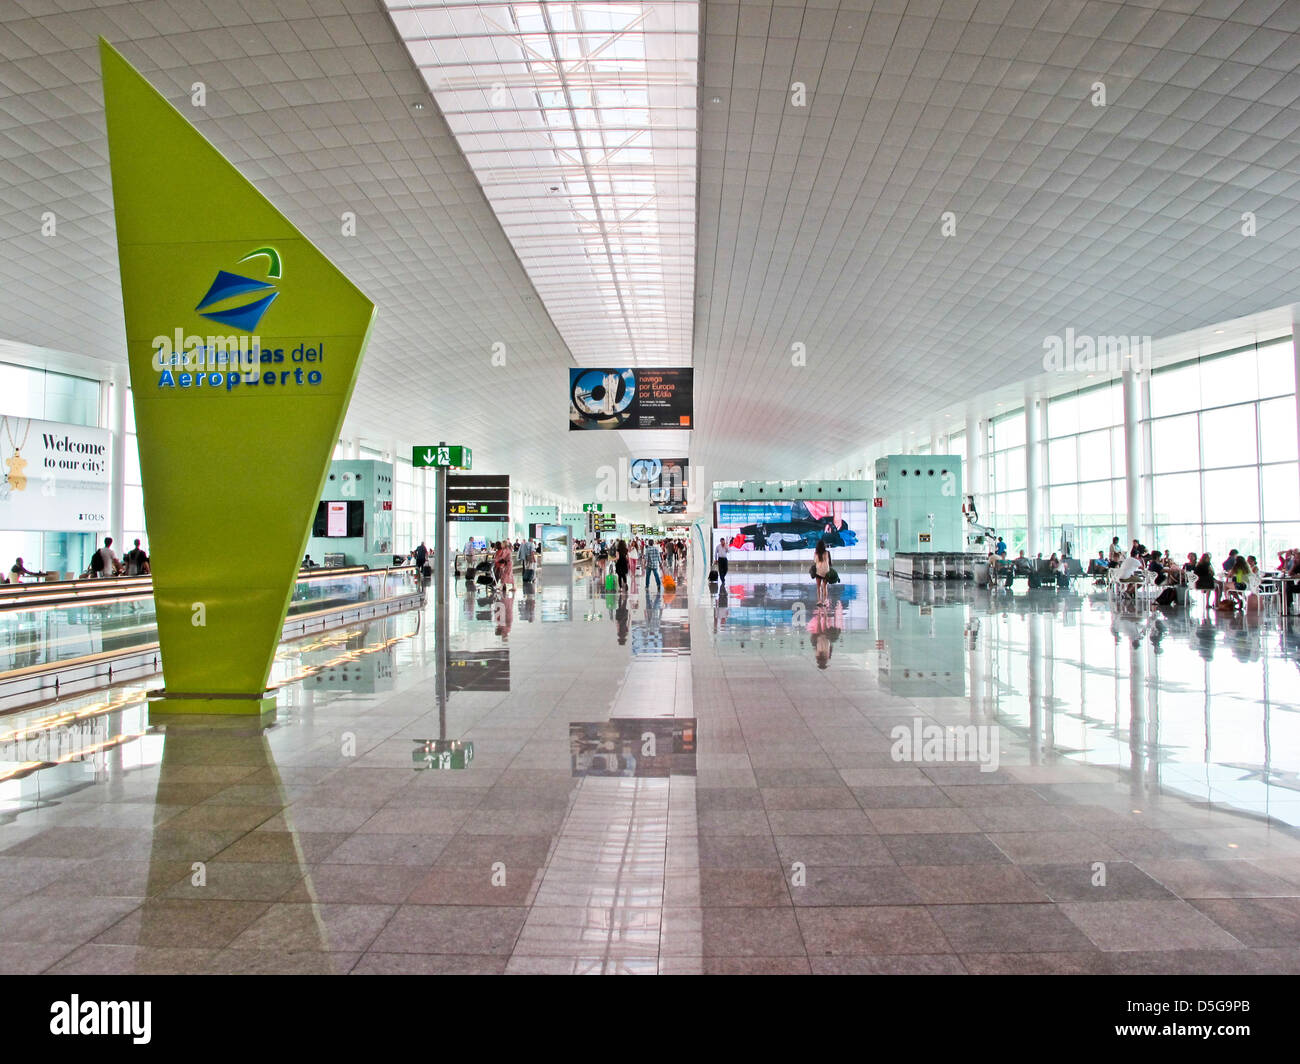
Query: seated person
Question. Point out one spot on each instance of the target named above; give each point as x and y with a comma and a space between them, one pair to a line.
1098, 565
1154, 564
1116, 556
1204, 576
1130, 571
18, 570
1292, 571
1237, 582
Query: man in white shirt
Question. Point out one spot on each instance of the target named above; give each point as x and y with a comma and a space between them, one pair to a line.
108, 565
1129, 573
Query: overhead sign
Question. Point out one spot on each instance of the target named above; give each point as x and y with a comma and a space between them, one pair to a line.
442, 455
637, 398
54, 477
478, 498
593, 507
202, 252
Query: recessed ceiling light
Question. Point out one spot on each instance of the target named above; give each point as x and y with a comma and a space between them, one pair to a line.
716, 99
417, 107
1218, 332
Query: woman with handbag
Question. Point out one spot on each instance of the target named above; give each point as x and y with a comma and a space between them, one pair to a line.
821, 571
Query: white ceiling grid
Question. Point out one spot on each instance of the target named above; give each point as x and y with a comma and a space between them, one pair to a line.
820, 225
817, 225
579, 120
312, 100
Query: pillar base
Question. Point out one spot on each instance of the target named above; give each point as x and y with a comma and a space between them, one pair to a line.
162, 704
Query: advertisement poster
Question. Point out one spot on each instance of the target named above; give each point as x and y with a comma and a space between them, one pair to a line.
631, 398
665, 478
336, 522
55, 476
791, 528
557, 545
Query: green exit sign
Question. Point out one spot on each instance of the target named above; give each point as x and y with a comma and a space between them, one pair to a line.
441, 455
593, 507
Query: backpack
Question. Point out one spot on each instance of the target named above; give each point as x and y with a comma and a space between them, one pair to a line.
97, 562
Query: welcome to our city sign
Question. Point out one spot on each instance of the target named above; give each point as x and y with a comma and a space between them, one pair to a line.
244, 343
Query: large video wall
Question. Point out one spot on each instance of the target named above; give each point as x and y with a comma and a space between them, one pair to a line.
789, 529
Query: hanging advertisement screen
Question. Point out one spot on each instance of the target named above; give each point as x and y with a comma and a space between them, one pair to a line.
637, 398
790, 529
53, 477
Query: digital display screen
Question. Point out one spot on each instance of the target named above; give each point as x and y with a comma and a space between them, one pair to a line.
791, 528
339, 520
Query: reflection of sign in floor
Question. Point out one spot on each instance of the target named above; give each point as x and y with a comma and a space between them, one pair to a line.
633, 747
479, 670
442, 754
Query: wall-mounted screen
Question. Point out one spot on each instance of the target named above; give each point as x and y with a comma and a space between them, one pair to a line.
790, 528
339, 520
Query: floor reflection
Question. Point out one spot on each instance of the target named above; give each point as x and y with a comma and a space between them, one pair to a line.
421, 803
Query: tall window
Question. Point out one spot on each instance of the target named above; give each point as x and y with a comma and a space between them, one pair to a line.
133, 525
1222, 432
1083, 469
1004, 458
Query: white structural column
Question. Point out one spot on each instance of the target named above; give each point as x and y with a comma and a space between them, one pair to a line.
974, 464
116, 388
1033, 476
1295, 350
1132, 456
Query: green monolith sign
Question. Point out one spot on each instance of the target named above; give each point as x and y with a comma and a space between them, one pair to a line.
244, 343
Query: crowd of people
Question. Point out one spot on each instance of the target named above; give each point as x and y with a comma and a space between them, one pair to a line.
1233, 583
103, 563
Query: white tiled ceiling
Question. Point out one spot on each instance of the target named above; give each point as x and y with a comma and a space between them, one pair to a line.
579, 120
820, 225
816, 225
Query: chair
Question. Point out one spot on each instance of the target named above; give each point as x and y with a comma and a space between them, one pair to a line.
1269, 593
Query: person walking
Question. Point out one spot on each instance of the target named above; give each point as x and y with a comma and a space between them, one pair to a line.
632, 554
653, 560
504, 565
527, 560
621, 565
104, 562
720, 559
137, 561
821, 571
420, 555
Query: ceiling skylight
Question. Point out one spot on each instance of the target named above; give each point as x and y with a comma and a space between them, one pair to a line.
579, 121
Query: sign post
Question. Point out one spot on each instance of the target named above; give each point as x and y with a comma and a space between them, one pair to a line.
440, 534
440, 457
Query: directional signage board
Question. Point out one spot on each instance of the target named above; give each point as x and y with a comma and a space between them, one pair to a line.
435, 455
593, 507
442, 754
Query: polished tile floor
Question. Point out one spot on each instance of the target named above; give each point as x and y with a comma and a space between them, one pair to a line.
1135, 808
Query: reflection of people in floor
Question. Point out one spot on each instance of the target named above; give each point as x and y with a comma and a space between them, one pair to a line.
503, 613
824, 629
621, 617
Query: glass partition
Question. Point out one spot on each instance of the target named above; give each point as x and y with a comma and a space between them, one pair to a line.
46, 635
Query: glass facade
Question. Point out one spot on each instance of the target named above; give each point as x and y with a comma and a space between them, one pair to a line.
1221, 433
1083, 470
1217, 460
1004, 465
